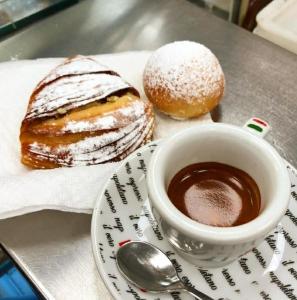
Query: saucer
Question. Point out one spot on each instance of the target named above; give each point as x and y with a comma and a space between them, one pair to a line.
123, 213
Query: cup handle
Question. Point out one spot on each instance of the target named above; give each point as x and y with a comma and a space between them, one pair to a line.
257, 126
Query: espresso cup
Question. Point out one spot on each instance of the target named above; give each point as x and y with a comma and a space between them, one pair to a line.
204, 245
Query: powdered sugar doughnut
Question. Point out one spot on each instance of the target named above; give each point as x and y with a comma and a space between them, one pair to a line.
184, 79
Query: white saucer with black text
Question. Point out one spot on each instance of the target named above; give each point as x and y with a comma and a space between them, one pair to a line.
123, 213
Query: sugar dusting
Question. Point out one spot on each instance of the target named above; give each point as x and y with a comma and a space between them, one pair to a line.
74, 91
94, 150
109, 120
187, 69
77, 82
77, 65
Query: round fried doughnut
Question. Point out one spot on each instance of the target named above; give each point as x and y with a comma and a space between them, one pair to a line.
183, 79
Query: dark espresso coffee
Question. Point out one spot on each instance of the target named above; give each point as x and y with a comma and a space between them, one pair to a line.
215, 194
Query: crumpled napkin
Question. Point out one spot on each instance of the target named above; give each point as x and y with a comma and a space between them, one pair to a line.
23, 190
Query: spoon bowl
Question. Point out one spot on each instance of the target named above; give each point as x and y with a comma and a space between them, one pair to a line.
147, 267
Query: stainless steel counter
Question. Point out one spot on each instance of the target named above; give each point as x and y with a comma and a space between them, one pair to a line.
55, 247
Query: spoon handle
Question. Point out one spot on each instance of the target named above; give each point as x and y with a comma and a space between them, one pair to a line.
197, 294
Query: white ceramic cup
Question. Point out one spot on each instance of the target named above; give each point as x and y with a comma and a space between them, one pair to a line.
210, 246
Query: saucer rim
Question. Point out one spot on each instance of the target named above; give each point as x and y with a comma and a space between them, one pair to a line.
96, 214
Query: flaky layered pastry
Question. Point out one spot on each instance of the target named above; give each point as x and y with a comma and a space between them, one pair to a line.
81, 114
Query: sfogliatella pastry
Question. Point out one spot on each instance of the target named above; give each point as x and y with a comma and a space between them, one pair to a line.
183, 79
82, 114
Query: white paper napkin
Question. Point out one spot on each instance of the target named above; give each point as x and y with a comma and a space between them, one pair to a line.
23, 190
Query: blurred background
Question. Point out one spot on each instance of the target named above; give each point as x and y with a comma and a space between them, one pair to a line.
17, 13
274, 20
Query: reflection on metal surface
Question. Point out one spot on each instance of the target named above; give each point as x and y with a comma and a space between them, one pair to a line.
17, 13
15, 281
63, 270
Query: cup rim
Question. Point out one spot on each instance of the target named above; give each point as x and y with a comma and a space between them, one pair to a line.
252, 230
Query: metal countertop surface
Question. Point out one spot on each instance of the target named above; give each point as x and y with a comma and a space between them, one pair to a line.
55, 247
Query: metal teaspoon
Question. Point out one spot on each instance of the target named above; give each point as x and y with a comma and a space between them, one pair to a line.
149, 268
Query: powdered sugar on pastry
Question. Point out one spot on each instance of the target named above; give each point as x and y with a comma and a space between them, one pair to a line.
74, 91
176, 67
114, 119
77, 65
94, 149
106, 122
111, 120
86, 145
